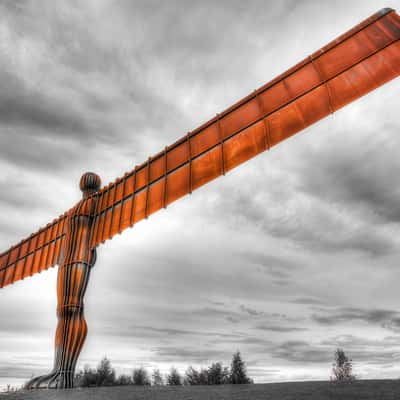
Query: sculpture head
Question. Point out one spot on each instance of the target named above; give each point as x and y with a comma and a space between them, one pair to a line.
89, 183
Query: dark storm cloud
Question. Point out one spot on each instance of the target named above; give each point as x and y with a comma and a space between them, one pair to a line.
241, 313
201, 29
388, 319
256, 342
358, 349
370, 351
393, 324
301, 351
251, 311
137, 330
65, 34
268, 260
60, 103
40, 153
255, 313
309, 301
357, 342
277, 268
304, 227
21, 105
359, 178
282, 329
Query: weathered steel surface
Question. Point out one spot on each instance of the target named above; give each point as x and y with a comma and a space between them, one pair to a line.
357, 62
38, 252
347, 68
72, 280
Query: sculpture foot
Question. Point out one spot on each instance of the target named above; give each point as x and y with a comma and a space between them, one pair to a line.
53, 380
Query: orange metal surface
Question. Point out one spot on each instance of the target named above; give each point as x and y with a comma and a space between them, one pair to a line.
347, 68
38, 252
72, 280
357, 62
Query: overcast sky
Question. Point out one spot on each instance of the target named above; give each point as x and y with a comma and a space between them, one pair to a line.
286, 258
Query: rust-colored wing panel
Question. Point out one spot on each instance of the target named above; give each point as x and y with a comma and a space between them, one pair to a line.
347, 68
357, 62
38, 252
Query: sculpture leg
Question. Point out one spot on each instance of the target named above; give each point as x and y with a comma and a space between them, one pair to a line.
73, 277
71, 329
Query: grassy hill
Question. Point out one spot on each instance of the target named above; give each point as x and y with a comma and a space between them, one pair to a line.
365, 390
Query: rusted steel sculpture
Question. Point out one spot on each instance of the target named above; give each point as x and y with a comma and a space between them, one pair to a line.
357, 62
72, 279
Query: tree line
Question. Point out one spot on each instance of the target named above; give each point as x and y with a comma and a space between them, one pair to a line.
215, 374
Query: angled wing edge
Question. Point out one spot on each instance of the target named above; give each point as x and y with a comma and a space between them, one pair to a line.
38, 252
357, 62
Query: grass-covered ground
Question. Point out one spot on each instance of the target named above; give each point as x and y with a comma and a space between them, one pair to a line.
365, 390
